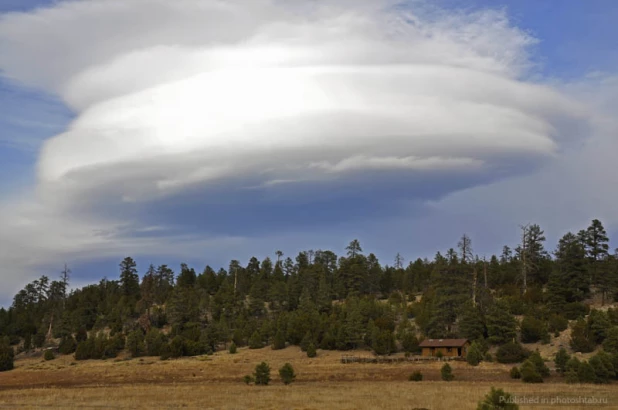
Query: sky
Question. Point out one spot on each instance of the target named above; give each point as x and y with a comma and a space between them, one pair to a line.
203, 131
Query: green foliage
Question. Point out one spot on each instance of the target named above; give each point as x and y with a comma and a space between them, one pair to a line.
501, 325
533, 330
585, 373
488, 357
572, 370
311, 351
279, 340
515, 373
497, 399
256, 342
557, 323
580, 337
474, 355
511, 352
561, 360
446, 372
135, 343
233, 348
416, 376
603, 367
610, 344
7, 357
529, 373
67, 345
575, 310
262, 374
49, 355
177, 346
154, 340
248, 379
539, 364
286, 372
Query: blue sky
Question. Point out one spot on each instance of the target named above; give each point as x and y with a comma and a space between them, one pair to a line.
126, 179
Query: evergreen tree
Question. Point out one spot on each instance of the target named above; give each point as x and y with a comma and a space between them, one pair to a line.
561, 360
497, 399
287, 373
7, 357
446, 372
501, 325
529, 373
129, 279
580, 337
262, 374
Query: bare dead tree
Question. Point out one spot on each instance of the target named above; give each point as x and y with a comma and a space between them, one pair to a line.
465, 248
524, 251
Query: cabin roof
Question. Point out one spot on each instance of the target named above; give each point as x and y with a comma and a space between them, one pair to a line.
443, 342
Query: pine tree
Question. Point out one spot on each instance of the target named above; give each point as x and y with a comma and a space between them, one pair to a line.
262, 374
7, 357
561, 360
129, 279
447, 373
287, 373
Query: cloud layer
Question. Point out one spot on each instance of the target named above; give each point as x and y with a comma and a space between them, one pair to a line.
194, 115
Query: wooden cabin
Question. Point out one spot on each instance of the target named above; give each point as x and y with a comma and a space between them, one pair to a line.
448, 347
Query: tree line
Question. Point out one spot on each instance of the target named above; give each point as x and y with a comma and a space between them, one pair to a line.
321, 300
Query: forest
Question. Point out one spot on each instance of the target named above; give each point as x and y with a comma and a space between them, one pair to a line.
319, 300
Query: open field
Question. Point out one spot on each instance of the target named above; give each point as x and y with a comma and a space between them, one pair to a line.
215, 382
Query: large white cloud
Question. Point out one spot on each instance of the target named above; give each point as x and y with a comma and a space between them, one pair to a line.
172, 95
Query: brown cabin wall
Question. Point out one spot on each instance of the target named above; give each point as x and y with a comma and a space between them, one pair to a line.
427, 351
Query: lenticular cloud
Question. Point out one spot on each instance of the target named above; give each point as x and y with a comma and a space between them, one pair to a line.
174, 94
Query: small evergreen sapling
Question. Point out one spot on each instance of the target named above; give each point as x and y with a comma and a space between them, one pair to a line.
262, 374
287, 373
447, 373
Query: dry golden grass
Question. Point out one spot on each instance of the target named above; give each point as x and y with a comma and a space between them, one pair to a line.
215, 382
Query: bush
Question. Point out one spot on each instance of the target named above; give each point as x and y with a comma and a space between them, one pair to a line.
538, 362
154, 340
488, 357
49, 355
447, 373
233, 348
177, 347
575, 310
497, 399
135, 343
262, 374
533, 330
511, 352
474, 355
561, 360
580, 337
279, 340
287, 373
7, 357
81, 335
255, 341
557, 323
515, 373
572, 370
585, 373
248, 379
417, 376
311, 352
529, 373
85, 350
67, 345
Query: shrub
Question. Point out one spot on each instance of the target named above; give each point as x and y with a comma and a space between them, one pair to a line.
488, 357
255, 341
81, 335
603, 367
439, 355
533, 330
538, 362
575, 310
7, 357
447, 373
154, 340
557, 323
572, 370
311, 352
610, 344
580, 337
67, 345
497, 399
85, 350
135, 343
417, 376
515, 373
49, 355
262, 374
561, 360
248, 379
529, 373
177, 346
474, 355
279, 340
585, 373
233, 348
512, 353
287, 373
